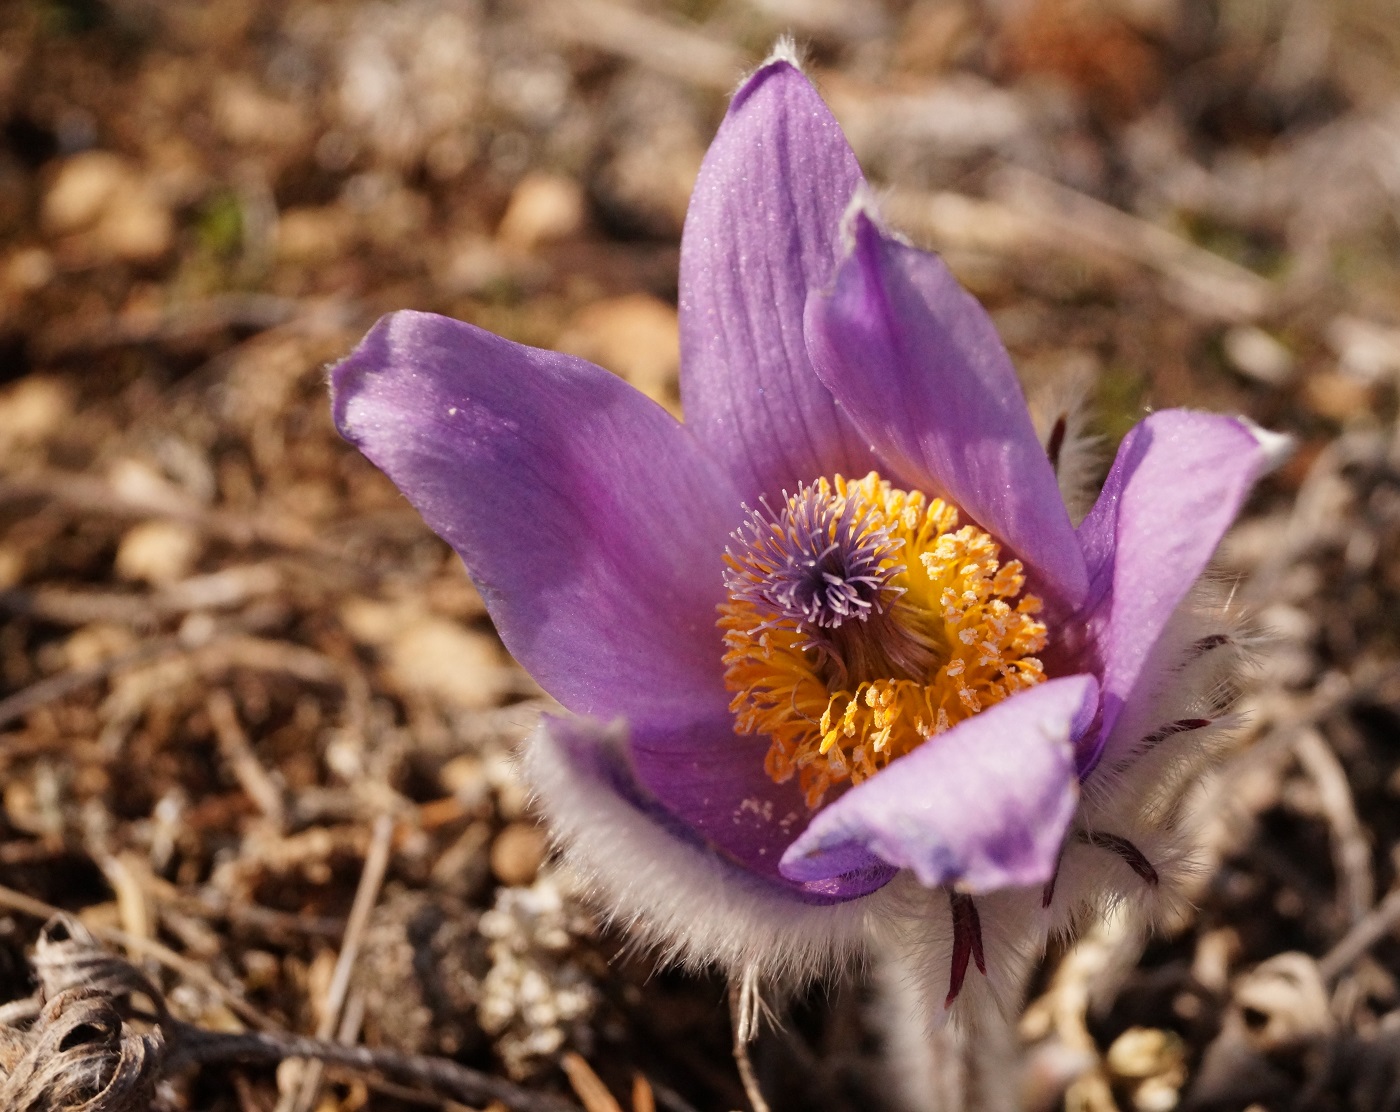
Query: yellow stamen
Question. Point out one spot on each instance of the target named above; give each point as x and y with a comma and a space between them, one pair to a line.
940, 642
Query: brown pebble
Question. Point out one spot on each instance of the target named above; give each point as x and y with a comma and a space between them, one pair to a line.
1337, 396
454, 664
543, 209
109, 202
517, 852
158, 552
636, 336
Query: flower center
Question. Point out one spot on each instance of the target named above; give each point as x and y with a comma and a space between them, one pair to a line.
861, 621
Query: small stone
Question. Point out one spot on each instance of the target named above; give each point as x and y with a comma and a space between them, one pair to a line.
1365, 350
28, 269
453, 595
1257, 355
289, 1074
544, 208
372, 622
462, 668
158, 552
1216, 951
96, 644
12, 566
1337, 396
1142, 1052
517, 853
1281, 1004
477, 265
1157, 1094
136, 481
137, 228
261, 969
246, 114
1153, 1062
636, 336
312, 234
82, 191
104, 200
32, 410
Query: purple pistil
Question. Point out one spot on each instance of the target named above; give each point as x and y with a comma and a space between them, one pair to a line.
822, 561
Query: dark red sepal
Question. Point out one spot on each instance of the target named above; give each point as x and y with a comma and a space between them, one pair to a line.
967, 943
1131, 855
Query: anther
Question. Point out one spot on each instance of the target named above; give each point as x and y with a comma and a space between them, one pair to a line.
861, 618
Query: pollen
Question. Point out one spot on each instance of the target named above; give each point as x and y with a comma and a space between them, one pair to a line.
861, 620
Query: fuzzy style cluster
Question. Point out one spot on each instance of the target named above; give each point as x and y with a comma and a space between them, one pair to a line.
841, 665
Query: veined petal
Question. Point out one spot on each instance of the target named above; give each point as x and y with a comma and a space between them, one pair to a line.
983, 806
1177, 483
762, 230
672, 888
590, 520
916, 362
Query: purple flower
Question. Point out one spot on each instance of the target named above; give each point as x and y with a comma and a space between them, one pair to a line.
838, 627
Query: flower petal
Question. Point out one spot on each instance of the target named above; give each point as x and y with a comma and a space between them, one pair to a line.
713, 780
761, 232
1177, 483
590, 520
673, 889
984, 806
918, 365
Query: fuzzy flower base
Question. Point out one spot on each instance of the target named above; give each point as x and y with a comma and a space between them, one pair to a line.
840, 664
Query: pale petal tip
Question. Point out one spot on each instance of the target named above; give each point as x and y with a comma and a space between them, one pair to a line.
784, 57
784, 50
1277, 447
864, 205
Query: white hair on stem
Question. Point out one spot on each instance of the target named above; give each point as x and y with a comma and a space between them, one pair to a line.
964, 1058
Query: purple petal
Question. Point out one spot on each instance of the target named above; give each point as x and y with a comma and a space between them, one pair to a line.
713, 780
704, 785
918, 365
1177, 483
984, 806
590, 520
671, 886
761, 232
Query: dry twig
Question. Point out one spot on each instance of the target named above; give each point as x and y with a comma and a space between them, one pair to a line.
301, 1097
84, 1052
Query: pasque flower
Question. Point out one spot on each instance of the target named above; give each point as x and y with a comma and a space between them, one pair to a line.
837, 628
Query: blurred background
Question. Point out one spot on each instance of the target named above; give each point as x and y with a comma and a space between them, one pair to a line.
228, 646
